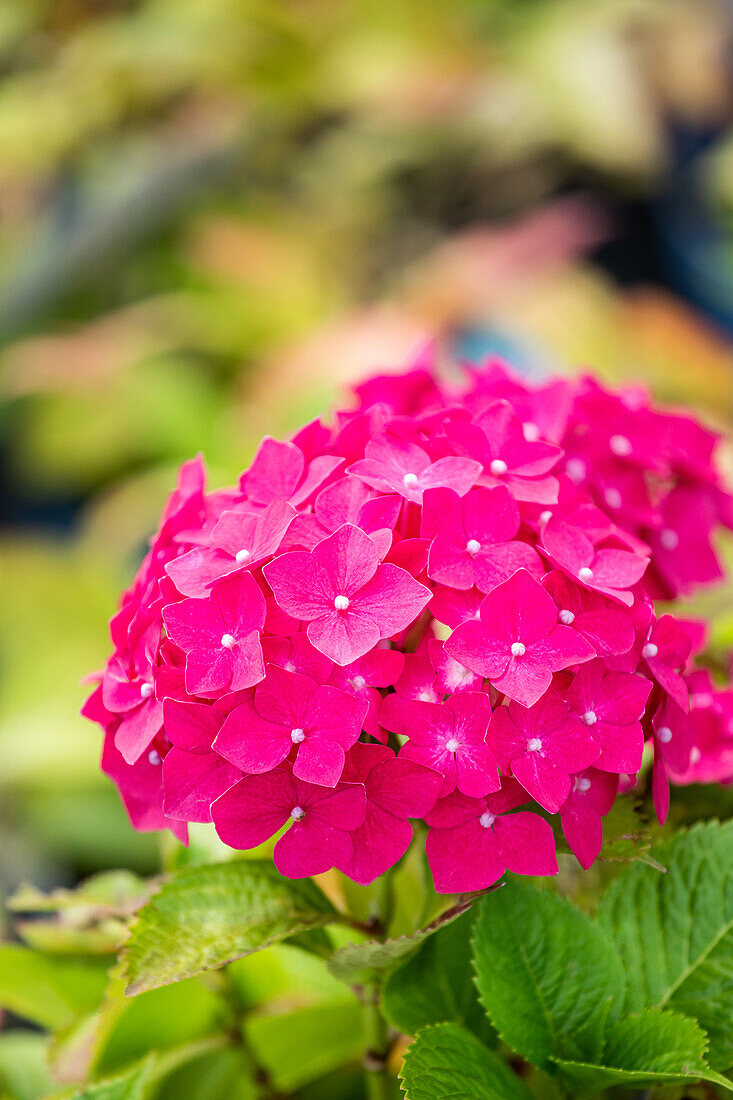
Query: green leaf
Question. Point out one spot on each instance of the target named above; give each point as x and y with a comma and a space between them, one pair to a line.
110, 893
207, 916
356, 962
652, 1047
446, 1062
547, 976
23, 1070
50, 991
129, 1086
217, 1075
300, 1046
436, 985
674, 931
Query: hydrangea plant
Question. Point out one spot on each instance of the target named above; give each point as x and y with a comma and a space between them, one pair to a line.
438, 623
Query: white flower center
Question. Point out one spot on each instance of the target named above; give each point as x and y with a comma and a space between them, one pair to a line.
590, 718
228, 641
410, 480
487, 819
664, 734
426, 697
585, 573
566, 617
575, 469
297, 735
242, 556
154, 757
582, 785
669, 539
613, 498
534, 744
341, 603
545, 516
620, 445
518, 649
297, 813
694, 754
146, 690
498, 467
452, 745
473, 546
358, 682
650, 650
531, 431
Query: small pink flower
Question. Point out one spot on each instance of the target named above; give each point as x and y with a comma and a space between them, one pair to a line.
141, 788
348, 598
379, 668
542, 747
674, 738
607, 570
220, 636
394, 465
592, 795
296, 654
665, 652
473, 841
292, 716
448, 737
473, 539
321, 820
279, 472
128, 690
611, 705
396, 789
607, 627
518, 643
193, 775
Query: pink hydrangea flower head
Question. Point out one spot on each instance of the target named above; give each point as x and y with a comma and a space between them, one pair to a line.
518, 643
348, 598
290, 716
320, 820
220, 636
473, 841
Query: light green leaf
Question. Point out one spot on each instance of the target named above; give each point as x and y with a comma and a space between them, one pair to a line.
50, 991
357, 961
207, 916
652, 1047
300, 1046
217, 1075
674, 931
436, 985
109, 893
547, 976
129, 1086
23, 1070
446, 1062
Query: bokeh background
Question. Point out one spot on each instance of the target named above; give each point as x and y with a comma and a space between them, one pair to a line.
214, 214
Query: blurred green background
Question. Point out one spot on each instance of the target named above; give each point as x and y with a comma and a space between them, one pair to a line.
214, 214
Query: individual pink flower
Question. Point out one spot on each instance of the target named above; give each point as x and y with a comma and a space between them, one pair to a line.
607, 570
682, 550
473, 540
496, 440
473, 841
295, 654
292, 716
453, 607
128, 687
321, 820
592, 795
673, 734
396, 789
448, 737
394, 465
665, 653
220, 636
279, 472
608, 627
611, 705
347, 500
240, 540
518, 643
542, 747
141, 788
379, 668
348, 598
193, 775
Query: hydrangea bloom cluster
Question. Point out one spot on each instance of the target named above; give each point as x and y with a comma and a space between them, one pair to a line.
440, 607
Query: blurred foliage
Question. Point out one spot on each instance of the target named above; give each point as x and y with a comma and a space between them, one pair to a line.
214, 214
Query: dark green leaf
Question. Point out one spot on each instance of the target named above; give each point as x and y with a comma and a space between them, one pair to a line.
446, 1062
547, 976
674, 931
207, 916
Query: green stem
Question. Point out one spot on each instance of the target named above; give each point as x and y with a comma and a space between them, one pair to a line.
377, 1044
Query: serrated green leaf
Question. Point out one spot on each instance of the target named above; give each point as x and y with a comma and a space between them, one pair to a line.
357, 962
207, 916
546, 974
50, 991
128, 1086
446, 1062
436, 985
674, 931
652, 1047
